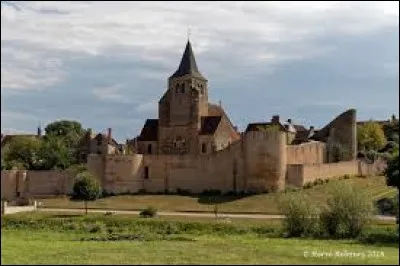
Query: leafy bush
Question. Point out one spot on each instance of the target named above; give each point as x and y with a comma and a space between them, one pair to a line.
372, 155
211, 192
301, 216
142, 191
347, 211
392, 172
387, 206
346, 177
318, 181
97, 228
148, 212
381, 236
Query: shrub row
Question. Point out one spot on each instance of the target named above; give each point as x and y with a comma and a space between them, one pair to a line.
345, 214
122, 224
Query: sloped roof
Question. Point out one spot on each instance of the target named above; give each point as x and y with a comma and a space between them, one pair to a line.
209, 124
300, 128
149, 131
188, 64
216, 110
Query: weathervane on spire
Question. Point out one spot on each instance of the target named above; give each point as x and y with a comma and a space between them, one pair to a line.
188, 33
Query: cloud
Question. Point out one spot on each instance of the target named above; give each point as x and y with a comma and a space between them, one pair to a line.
107, 63
28, 69
148, 108
111, 93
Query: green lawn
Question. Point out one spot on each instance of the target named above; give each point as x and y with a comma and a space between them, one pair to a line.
50, 238
41, 247
265, 203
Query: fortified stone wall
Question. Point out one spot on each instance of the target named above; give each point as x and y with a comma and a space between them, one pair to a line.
265, 160
23, 183
9, 184
157, 173
300, 174
306, 153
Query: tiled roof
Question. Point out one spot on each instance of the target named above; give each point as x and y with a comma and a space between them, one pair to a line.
209, 124
149, 131
300, 128
215, 110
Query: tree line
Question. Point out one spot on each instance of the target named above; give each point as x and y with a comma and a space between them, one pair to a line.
57, 149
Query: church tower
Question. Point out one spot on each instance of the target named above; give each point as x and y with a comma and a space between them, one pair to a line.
184, 102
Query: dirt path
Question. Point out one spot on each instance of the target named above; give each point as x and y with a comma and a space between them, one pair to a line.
193, 214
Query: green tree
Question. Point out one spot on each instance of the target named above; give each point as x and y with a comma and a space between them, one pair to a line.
370, 136
86, 188
392, 171
54, 154
391, 130
70, 132
22, 152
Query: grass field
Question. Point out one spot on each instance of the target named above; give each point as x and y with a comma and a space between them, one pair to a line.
51, 238
265, 203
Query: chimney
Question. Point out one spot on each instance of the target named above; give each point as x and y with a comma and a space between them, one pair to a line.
311, 128
289, 121
275, 119
39, 131
220, 103
109, 133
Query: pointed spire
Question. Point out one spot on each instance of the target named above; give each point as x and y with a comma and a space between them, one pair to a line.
188, 64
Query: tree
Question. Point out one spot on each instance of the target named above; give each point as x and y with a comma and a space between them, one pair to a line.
370, 136
70, 132
22, 152
391, 130
392, 171
86, 188
54, 154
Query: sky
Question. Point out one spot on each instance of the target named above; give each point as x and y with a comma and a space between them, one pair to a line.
106, 64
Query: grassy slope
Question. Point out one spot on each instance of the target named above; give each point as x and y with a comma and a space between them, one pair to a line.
266, 203
53, 243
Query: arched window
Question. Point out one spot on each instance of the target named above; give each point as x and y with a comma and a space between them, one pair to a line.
146, 172
183, 88
177, 88
203, 148
149, 149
